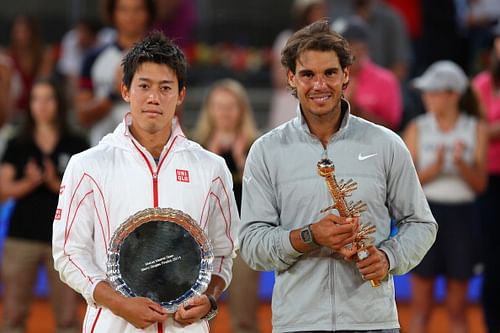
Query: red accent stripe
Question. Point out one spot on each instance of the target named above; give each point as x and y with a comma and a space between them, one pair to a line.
168, 151
96, 319
153, 174
225, 220
203, 224
160, 327
221, 261
69, 224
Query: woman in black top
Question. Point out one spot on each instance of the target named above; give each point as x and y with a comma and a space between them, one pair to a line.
30, 173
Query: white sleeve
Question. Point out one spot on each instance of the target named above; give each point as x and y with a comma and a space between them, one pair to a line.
222, 220
73, 231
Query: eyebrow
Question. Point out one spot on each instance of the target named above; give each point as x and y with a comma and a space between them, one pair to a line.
306, 70
149, 80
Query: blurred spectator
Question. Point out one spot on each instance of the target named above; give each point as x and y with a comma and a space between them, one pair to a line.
30, 58
30, 173
478, 19
5, 98
373, 91
283, 104
226, 126
177, 20
448, 145
487, 83
5, 88
74, 45
389, 42
99, 104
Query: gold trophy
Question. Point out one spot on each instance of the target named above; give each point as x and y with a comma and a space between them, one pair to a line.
339, 192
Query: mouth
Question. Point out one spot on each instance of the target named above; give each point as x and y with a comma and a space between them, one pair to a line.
320, 98
152, 113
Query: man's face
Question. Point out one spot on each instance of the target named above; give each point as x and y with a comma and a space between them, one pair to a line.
153, 96
318, 79
131, 17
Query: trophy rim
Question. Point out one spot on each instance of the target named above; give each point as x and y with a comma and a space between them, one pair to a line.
168, 215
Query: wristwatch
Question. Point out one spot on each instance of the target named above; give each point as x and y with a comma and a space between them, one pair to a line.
306, 235
213, 309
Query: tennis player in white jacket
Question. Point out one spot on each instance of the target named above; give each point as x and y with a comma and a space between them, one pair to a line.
146, 162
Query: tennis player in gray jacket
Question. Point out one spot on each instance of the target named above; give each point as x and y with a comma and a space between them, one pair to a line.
320, 282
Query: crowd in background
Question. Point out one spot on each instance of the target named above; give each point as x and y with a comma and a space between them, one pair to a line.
452, 129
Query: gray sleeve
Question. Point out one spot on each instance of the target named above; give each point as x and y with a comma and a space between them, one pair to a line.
407, 204
264, 244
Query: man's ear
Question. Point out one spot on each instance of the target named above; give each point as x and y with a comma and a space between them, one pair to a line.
347, 71
182, 95
125, 93
291, 78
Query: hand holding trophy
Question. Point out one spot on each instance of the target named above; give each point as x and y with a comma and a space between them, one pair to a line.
339, 192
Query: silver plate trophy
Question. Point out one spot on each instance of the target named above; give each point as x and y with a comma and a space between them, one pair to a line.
161, 254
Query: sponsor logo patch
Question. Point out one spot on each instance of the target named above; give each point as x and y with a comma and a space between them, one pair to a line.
57, 217
182, 175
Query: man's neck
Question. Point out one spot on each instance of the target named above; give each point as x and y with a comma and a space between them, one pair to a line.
153, 143
324, 127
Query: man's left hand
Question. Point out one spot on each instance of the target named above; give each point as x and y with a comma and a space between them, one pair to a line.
375, 266
194, 309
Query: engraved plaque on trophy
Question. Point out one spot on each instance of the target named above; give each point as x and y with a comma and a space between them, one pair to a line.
161, 254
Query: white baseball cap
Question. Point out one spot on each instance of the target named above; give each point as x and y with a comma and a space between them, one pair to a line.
442, 75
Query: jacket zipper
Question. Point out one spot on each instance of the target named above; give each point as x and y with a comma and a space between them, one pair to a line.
155, 189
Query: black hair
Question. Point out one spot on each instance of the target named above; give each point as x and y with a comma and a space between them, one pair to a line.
158, 49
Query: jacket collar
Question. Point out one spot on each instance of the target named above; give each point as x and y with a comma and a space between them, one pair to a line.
123, 131
300, 121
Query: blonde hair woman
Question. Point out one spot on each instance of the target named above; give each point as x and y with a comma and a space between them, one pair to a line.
226, 121
226, 126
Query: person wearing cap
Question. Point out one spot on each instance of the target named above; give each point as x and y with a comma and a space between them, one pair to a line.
373, 91
487, 84
286, 227
448, 145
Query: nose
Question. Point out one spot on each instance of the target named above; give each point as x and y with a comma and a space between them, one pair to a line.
319, 82
153, 96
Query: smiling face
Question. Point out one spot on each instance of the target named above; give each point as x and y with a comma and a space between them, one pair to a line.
318, 80
153, 96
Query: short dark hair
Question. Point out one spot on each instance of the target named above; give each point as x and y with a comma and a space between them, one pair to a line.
316, 36
158, 49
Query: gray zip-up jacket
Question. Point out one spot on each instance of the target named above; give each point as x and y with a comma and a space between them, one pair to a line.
283, 191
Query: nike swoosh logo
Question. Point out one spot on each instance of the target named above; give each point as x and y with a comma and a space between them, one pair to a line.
362, 158
247, 179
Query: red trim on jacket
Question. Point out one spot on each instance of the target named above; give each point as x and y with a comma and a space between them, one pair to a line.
96, 319
154, 174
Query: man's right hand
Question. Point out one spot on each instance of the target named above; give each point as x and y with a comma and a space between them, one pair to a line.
335, 232
332, 231
139, 311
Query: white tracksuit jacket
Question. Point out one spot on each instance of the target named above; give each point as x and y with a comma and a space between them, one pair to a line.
106, 184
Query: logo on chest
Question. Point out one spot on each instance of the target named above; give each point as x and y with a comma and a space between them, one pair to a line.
182, 175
